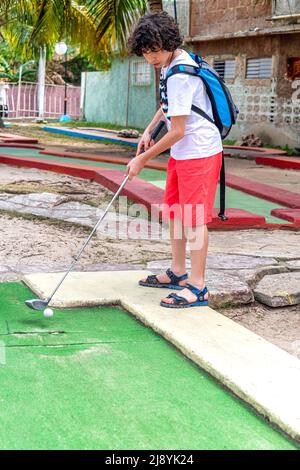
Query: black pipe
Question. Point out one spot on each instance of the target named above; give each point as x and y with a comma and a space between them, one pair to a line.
175, 11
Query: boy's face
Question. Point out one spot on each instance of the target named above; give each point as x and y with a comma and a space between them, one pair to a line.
157, 58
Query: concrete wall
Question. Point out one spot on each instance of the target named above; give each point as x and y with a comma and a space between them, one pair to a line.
266, 105
240, 29
218, 17
111, 97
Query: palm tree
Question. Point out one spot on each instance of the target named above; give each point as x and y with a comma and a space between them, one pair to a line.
97, 26
155, 5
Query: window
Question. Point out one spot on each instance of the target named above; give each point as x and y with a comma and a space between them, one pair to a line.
140, 73
293, 68
225, 68
286, 7
259, 68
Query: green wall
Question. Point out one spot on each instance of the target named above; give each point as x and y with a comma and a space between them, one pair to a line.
109, 99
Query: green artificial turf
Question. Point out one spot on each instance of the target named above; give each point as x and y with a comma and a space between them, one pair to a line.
96, 378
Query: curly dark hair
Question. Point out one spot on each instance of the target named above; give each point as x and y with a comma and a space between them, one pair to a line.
154, 31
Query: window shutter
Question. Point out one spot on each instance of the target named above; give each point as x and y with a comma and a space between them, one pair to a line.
225, 68
259, 68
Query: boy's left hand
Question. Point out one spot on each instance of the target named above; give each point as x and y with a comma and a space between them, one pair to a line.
134, 167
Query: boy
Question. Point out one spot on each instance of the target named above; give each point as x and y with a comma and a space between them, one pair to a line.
195, 161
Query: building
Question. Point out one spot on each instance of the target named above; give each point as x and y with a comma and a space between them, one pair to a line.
255, 46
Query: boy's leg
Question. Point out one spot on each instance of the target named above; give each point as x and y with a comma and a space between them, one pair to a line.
198, 240
177, 234
178, 244
198, 247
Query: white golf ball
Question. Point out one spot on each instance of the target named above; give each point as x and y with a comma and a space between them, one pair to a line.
48, 312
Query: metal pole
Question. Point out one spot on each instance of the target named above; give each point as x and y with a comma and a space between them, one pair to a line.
19, 91
65, 100
88, 240
175, 11
41, 82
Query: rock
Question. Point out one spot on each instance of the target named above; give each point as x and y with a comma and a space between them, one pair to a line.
253, 276
4, 269
226, 262
10, 277
225, 289
279, 290
128, 133
53, 206
231, 262
279, 244
35, 203
249, 141
293, 265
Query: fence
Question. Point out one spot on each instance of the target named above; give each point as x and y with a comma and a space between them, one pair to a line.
22, 101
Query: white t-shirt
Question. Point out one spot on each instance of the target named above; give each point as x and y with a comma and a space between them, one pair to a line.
202, 138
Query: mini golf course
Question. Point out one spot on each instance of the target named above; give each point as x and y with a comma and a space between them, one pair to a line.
96, 378
259, 211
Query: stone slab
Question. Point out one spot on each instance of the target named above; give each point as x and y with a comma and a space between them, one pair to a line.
226, 261
226, 289
54, 206
293, 265
253, 276
258, 372
279, 290
3, 269
278, 244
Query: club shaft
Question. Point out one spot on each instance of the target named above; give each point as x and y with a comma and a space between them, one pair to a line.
88, 239
154, 134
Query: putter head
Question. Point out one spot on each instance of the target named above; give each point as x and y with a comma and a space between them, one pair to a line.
37, 304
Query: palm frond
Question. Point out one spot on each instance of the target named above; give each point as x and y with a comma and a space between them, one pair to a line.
98, 27
115, 17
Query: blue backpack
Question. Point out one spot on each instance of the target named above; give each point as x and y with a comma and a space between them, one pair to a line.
223, 108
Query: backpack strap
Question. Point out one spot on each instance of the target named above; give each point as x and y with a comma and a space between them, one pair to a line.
222, 191
183, 68
202, 113
189, 70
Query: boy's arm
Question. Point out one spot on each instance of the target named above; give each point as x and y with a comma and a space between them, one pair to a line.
146, 139
175, 134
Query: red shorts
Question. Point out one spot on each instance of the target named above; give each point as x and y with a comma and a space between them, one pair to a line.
191, 188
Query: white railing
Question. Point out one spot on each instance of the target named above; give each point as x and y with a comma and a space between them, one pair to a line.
22, 101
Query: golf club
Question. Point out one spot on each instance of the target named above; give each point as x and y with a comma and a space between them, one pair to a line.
38, 304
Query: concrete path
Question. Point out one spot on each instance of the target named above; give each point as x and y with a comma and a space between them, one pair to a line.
257, 371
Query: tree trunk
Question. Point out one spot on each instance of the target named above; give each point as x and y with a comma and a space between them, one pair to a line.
156, 6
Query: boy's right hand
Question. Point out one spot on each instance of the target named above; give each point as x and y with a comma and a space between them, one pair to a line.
145, 143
